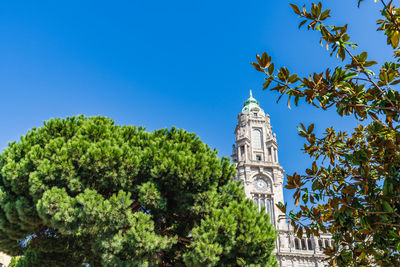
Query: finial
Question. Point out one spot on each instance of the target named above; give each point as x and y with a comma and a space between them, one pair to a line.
251, 94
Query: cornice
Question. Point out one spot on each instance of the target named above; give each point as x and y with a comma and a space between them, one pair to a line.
260, 164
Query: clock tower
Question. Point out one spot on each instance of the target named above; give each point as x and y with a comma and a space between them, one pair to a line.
256, 157
255, 154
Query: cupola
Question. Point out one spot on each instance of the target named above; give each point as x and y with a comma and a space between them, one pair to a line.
252, 107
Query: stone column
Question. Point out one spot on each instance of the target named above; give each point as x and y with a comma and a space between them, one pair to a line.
316, 250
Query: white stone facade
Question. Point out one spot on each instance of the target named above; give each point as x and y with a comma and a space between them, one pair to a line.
256, 157
4, 260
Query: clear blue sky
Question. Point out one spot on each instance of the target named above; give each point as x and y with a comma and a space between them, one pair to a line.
164, 63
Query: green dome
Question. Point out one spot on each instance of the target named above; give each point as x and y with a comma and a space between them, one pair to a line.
252, 106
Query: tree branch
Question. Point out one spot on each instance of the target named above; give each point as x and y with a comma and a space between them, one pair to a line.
391, 16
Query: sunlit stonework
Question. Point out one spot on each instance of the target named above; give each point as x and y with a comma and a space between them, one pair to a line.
256, 157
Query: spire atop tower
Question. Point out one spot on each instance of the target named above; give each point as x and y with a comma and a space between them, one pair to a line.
251, 104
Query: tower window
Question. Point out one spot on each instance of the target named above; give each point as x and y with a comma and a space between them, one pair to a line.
269, 207
256, 201
256, 138
270, 210
258, 157
255, 114
264, 202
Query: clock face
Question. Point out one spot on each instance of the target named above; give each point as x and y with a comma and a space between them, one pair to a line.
261, 184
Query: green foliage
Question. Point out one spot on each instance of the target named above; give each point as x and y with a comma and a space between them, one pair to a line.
352, 189
221, 239
14, 261
84, 190
29, 259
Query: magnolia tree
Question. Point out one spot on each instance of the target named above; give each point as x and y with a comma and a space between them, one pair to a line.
84, 190
352, 189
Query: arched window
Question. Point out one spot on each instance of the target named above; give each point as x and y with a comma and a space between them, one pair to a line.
262, 203
321, 246
303, 244
269, 206
270, 210
256, 138
256, 201
326, 244
309, 244
296, 244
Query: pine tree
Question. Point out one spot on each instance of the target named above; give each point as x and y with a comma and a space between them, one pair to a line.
84, 190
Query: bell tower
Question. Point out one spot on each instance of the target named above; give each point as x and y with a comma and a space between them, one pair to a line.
256, 157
